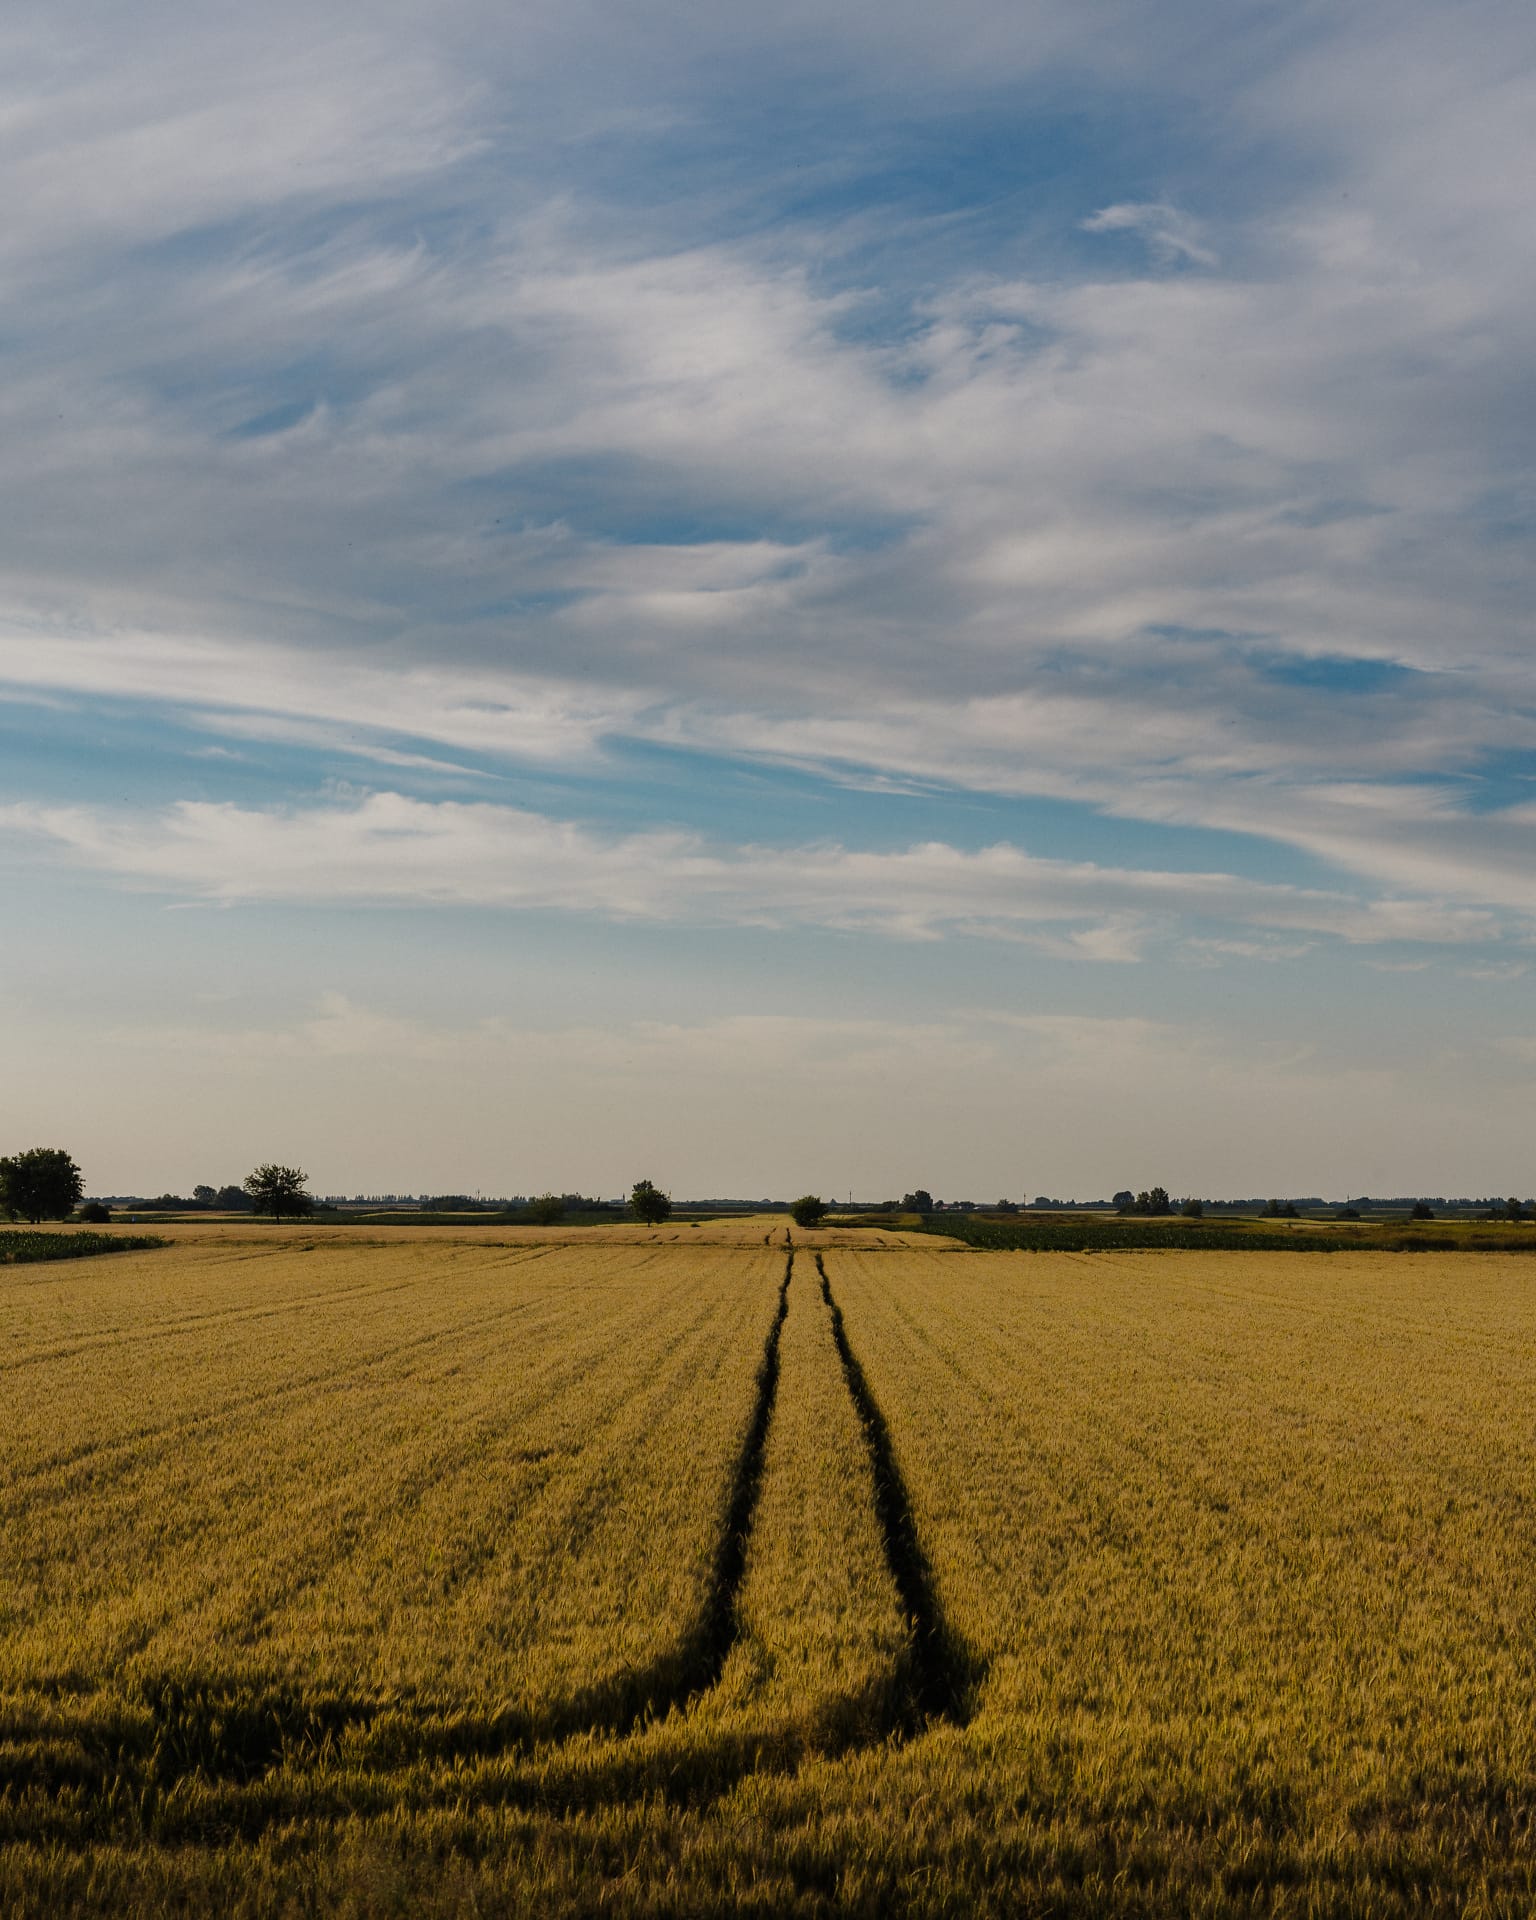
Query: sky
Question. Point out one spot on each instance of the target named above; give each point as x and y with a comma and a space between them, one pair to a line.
824, 598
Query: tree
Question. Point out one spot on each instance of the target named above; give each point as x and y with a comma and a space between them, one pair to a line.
808, 1210
919, 1202
232, 1200
41, 1184
279, 1190
650, 1204
1124, 1200
204, 1196
95, 1213
547, 1211
1192, 1210
1422, 1210
1154, 1201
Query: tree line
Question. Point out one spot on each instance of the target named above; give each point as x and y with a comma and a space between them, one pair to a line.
44, 1183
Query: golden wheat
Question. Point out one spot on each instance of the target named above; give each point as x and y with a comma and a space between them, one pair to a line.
394, 1574
386, 1473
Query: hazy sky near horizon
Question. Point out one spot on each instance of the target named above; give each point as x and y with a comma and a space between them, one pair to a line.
818, 597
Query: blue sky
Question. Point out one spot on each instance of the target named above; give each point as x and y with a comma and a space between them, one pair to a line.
840, 599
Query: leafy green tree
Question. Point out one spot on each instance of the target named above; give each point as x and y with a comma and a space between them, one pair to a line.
279, 1190
1123, 1201
650, 1204
919, 1202
41, 1184
204, 1196
808, 1211
547, 1211
95, 1213
1192, 1210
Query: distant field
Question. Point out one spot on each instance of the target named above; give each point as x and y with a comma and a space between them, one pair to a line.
691, 1570
1225, 1233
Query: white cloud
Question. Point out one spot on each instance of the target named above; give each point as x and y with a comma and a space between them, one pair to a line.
1170, 235
116, 133
341, 703
391, 847
1213, 953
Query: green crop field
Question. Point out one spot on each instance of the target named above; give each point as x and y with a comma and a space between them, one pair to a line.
735, 1569
25, 1246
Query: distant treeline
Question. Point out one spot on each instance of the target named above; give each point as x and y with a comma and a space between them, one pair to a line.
547, 1209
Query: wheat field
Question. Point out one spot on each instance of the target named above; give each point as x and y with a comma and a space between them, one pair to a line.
734, 1569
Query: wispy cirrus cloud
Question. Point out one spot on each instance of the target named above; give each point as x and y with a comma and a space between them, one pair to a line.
1170, 235
393, 848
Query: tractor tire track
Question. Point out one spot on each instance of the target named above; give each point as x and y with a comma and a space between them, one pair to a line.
943, 1677
720, 1627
